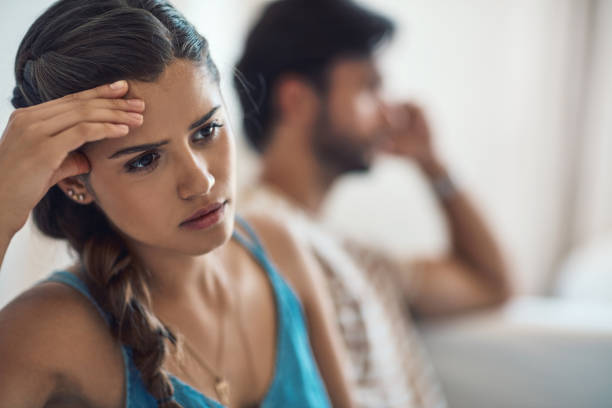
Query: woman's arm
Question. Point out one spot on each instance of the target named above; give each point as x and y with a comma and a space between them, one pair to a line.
22, 384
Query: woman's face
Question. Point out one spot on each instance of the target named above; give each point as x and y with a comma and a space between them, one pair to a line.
179, 165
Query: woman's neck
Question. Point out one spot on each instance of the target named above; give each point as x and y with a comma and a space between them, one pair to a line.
179, 276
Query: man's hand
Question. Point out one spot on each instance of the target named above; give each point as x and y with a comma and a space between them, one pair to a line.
409, 134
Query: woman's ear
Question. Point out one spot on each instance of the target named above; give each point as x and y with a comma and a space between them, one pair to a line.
74, 187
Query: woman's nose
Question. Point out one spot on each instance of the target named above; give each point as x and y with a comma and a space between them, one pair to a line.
195, 179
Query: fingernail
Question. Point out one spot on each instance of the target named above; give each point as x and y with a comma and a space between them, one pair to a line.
136, 103
118, 84
135, 116
124, 129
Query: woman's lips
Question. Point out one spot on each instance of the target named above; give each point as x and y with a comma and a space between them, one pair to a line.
205, 217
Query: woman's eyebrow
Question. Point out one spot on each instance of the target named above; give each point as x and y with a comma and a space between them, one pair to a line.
139, 148
204, 118
145, 147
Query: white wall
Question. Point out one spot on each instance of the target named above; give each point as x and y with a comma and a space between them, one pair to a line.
499, 82
594, 204
587, 272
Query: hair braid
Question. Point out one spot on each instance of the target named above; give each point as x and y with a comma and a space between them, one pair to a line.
118, 282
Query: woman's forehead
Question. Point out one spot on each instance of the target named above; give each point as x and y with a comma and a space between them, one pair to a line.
183, 86
180, 96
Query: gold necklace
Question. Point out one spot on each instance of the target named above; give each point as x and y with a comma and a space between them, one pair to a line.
222, 386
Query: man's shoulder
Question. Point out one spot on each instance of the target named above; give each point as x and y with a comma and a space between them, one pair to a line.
262, 201
341, 258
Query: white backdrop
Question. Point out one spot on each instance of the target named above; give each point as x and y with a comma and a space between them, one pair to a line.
594, 198
505, 85
498, 79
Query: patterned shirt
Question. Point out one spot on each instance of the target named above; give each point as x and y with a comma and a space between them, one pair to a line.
388, 365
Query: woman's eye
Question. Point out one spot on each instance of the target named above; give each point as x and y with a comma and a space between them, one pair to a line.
144, 162
207, 132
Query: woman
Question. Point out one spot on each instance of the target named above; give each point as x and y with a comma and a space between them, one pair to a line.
138, 176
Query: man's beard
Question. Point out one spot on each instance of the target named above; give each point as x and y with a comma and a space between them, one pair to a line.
337, 151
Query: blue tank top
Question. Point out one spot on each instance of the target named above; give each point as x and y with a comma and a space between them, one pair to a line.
296, 382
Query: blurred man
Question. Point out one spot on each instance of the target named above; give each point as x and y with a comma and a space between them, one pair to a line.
310, 92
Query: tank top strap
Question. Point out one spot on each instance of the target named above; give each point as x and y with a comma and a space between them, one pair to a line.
76, 283
297, 381
251, 241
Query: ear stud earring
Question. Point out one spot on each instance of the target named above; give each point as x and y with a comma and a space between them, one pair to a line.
73, 194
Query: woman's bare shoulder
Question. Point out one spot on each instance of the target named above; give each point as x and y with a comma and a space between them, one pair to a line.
276, 237
269, 227
52, 334
292, 257
49, 308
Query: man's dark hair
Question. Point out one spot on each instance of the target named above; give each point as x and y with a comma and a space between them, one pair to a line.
303, 37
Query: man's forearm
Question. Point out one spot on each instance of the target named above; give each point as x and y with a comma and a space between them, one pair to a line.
472, 241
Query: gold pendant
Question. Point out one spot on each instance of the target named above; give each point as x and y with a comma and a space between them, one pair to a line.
222, 388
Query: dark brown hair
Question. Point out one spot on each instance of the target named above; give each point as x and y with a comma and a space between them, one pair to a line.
77, 45
303, 37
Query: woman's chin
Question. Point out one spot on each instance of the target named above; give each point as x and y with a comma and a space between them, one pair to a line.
206, 240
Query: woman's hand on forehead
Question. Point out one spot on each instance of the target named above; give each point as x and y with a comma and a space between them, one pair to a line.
38, 146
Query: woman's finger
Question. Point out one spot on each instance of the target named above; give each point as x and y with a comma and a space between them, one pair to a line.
74, 164
58, 124
86, 132
128, 105
115, 90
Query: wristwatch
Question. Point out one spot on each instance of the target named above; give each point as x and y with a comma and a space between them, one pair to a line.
444, 187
